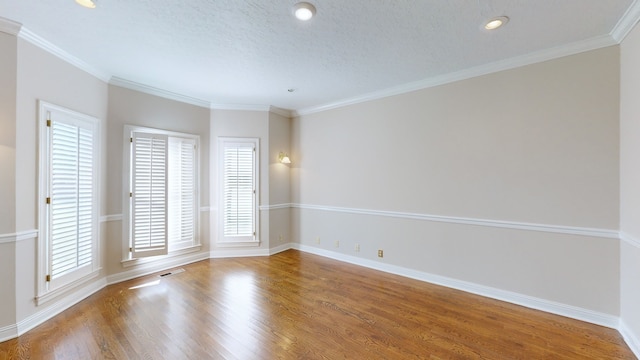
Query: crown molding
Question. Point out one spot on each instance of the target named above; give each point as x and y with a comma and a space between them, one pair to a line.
626, 22
494, 67
280, 111
45, 45
132, 85
242, 107
249, 107
9, 26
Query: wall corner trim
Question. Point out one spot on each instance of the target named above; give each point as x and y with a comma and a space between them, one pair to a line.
626, 22
284, 112
275, 207
629, 239
632, 339
9, 27
8, 332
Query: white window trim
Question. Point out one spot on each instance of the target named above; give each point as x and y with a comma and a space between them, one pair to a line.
127, 260
45, 292
221, 242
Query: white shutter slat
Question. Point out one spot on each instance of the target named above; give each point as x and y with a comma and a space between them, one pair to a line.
238, 190
182, 192
187, 191
149, 201
71, 192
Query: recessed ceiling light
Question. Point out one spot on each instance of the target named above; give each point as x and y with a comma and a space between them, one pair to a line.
496, 22
304, 11
91, 4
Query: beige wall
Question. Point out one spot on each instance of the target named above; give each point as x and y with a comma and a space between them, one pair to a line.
536, 144
279, 180
273, 131
129, 107
8, 64
42, 76
279, 141
630, 182
248, 124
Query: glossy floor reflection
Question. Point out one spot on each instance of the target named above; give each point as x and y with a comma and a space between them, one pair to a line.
299, 306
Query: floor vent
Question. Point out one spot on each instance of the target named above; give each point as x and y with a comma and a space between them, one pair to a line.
172, 272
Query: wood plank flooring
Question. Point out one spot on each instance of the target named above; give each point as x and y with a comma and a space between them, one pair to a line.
295, 305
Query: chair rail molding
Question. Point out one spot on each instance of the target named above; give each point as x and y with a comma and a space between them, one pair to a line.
559, 229
18, 236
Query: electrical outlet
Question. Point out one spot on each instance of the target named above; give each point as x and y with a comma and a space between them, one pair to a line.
380, 253
337, 243
281, 238
357, 248
318, 240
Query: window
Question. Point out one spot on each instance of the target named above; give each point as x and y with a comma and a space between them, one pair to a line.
238, 191
69, 164
161, 175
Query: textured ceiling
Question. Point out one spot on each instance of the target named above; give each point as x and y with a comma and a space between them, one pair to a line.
249, 52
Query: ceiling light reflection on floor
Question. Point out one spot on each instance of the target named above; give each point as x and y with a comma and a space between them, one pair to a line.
147, 284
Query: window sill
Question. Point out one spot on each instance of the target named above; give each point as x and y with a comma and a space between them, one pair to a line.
133, 262
66, 289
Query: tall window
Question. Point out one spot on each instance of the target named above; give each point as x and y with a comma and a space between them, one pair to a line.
163, 192
238, 191
69, 196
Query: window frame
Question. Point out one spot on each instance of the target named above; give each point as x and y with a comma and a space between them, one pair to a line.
127, 258
222, 240
48, 288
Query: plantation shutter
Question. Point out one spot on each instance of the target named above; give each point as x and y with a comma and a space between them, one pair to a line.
71, 211
149, 205
182, 192
239, 195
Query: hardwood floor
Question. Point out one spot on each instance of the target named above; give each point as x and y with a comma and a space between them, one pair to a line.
295, 305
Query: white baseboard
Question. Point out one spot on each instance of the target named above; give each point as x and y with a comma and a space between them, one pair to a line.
632, 339
13, 331
8, 332
244, 252
280, 248
570, 311
150, 268
237, 252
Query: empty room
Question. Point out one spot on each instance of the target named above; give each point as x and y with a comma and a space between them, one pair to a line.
322, 179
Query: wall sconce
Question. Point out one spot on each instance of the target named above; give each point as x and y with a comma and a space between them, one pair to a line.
284, 158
